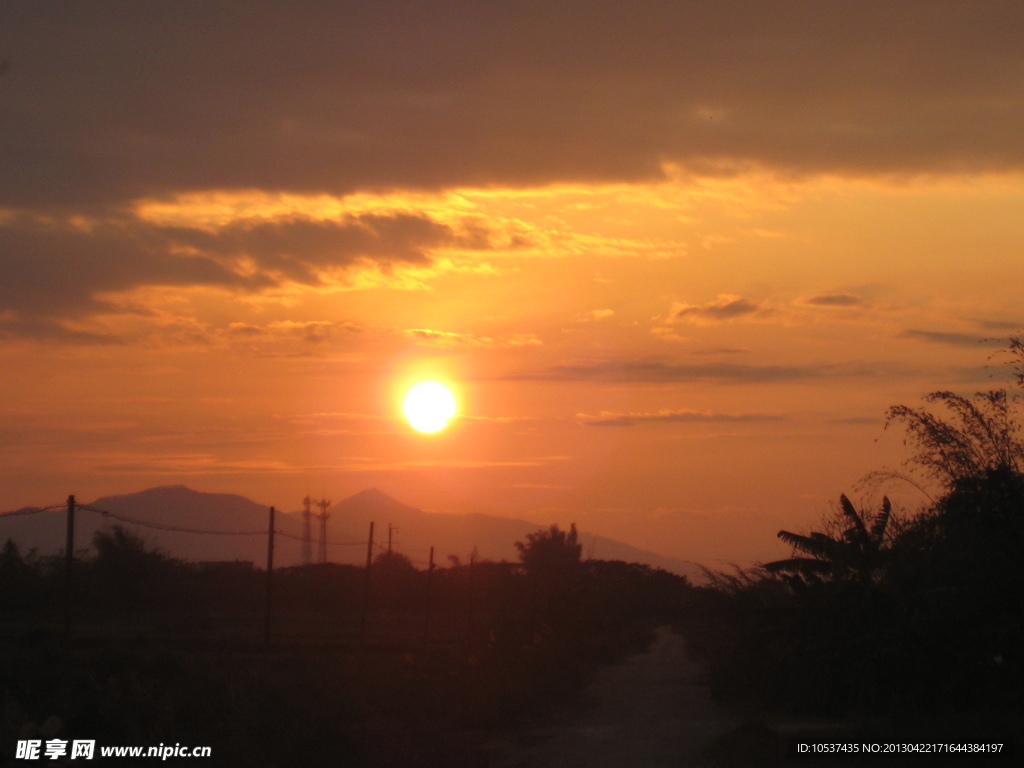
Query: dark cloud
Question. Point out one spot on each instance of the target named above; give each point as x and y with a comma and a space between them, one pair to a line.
700, 417
655, 371
834, 300
55, 270
957, 339
299, 248
725, 307
112, 102
47, 330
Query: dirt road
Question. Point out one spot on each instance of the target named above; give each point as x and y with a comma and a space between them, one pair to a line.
649, 712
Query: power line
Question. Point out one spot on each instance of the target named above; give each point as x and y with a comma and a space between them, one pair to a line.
162, 527
31, 510
328, 541
173, 528
181, 529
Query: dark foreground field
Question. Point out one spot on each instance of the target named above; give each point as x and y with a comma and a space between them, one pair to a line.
299, 704
386, 667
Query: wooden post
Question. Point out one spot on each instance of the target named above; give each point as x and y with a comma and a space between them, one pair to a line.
366, 588
427, 597
270, 580
69, 559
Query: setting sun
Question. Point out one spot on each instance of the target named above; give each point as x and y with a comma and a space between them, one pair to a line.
429, 406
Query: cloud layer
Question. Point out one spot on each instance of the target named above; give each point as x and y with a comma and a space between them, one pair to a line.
146, 99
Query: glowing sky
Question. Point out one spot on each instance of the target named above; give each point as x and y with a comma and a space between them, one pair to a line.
676, 260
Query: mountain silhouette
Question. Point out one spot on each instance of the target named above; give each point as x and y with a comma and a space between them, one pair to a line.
491, 537
412, 531
170, 506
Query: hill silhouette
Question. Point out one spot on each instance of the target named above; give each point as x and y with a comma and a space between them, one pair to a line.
413, 530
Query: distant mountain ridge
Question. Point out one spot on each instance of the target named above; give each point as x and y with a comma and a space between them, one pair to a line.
244, 523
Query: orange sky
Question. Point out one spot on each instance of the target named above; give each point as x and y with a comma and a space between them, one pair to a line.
676, 263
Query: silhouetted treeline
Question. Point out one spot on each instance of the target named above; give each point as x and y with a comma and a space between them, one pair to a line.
884, 613
169, 651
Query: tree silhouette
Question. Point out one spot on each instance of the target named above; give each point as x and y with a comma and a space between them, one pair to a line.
970, 540
18, 578
857, 553
394, 576
129, 573
551, 553
979, 436
551, 559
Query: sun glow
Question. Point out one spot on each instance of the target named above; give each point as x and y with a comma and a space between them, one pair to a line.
429, 406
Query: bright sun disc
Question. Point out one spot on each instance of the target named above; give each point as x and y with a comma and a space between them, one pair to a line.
429, 406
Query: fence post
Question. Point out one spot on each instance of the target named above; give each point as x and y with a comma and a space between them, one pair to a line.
69, 558
270, 579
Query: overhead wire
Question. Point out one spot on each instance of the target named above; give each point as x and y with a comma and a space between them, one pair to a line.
183, 529
162, 527
32, 510
329, 541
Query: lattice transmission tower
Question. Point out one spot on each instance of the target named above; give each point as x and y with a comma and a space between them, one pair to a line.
321, 555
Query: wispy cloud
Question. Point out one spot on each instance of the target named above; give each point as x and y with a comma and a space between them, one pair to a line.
859, 420
1001, 325
611, 419
833, 300
450, 339
645, 370
956, 339
189, 464
595, 315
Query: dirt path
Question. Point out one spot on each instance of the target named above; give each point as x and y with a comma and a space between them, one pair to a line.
649, 712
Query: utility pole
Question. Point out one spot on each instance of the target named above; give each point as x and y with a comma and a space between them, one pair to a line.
321, 555
390, 529
470, 603
426, 598
270, 579
69, 559
366, 588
